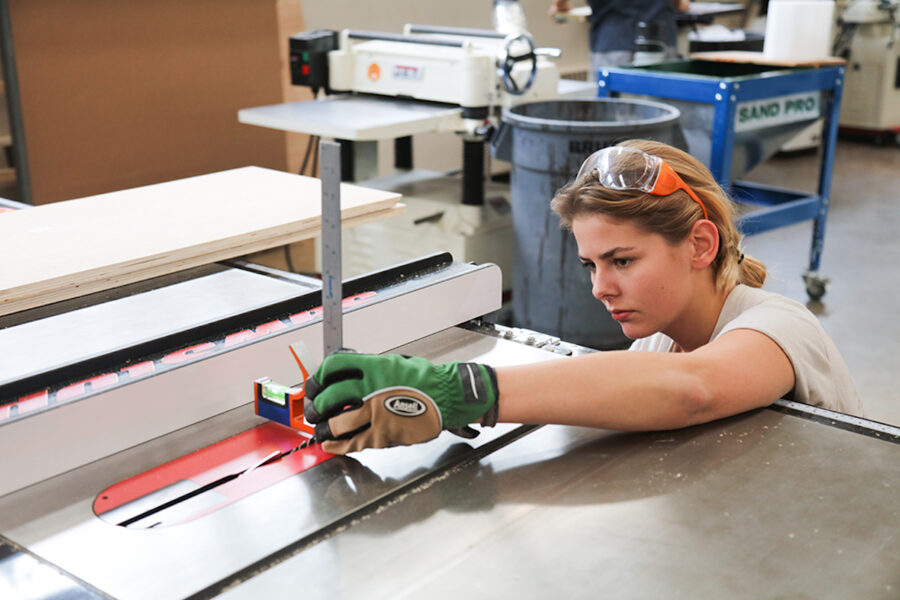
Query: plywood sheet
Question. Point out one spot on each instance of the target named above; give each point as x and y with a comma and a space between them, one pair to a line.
758, 58
68, 249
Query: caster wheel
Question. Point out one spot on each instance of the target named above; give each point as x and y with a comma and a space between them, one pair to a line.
815, 285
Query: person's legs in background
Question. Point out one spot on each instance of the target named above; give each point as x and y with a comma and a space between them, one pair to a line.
613, 58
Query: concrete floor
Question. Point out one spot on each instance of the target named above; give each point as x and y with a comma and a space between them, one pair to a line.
861, 257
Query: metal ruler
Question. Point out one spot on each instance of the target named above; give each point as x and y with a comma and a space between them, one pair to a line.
332, 290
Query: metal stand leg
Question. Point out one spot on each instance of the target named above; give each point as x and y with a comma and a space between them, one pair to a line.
722, 144
359, 160
473, 172
403, 152
815, 283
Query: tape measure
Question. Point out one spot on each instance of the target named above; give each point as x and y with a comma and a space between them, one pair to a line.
332, 289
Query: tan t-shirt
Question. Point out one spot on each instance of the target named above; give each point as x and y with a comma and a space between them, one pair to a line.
821, 376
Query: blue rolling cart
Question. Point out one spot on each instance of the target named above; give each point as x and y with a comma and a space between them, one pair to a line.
735, 116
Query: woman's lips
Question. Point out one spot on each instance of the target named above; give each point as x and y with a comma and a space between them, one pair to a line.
621, 315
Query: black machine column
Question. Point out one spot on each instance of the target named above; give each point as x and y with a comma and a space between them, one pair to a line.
473, 172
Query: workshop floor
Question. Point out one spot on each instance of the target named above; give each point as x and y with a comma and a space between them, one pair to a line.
861, 257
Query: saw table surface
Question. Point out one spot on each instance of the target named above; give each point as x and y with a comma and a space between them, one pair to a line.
763, 505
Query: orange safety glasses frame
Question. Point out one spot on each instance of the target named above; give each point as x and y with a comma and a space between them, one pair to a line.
624, 168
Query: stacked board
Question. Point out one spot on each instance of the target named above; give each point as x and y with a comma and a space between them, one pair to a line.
759, 58
68, 249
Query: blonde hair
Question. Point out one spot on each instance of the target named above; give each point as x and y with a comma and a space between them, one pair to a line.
670, 216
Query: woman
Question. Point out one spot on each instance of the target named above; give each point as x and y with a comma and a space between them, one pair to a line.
657, 235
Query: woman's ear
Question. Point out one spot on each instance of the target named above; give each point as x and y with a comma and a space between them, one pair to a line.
704, 243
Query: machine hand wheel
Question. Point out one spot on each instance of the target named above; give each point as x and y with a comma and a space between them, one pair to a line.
508, 61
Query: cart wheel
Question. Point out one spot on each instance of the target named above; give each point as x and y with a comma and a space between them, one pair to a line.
815, 285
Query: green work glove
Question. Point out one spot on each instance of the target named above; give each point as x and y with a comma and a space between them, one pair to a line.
361, 401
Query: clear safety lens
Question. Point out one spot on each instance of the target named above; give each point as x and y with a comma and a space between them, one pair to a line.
623, 168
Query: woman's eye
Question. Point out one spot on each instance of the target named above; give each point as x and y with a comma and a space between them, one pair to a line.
622, 262
588, 265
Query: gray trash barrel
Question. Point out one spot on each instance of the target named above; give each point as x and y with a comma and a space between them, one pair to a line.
546, 143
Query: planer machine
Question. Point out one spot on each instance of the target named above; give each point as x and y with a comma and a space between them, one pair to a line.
371, 86
478, 70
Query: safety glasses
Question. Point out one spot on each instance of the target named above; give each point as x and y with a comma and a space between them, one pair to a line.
624, 168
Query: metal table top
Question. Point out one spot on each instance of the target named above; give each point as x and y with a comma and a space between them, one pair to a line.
357, 118
765, 505
371, 118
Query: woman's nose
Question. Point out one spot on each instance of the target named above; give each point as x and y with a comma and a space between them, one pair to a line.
602, 285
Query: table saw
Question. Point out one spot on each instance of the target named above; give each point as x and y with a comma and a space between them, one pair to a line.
789, 501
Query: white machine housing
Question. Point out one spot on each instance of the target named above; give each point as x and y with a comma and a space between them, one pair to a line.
872, 91
467, 75
434, 221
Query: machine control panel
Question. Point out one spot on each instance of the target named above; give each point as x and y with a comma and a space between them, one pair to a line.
309, 57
